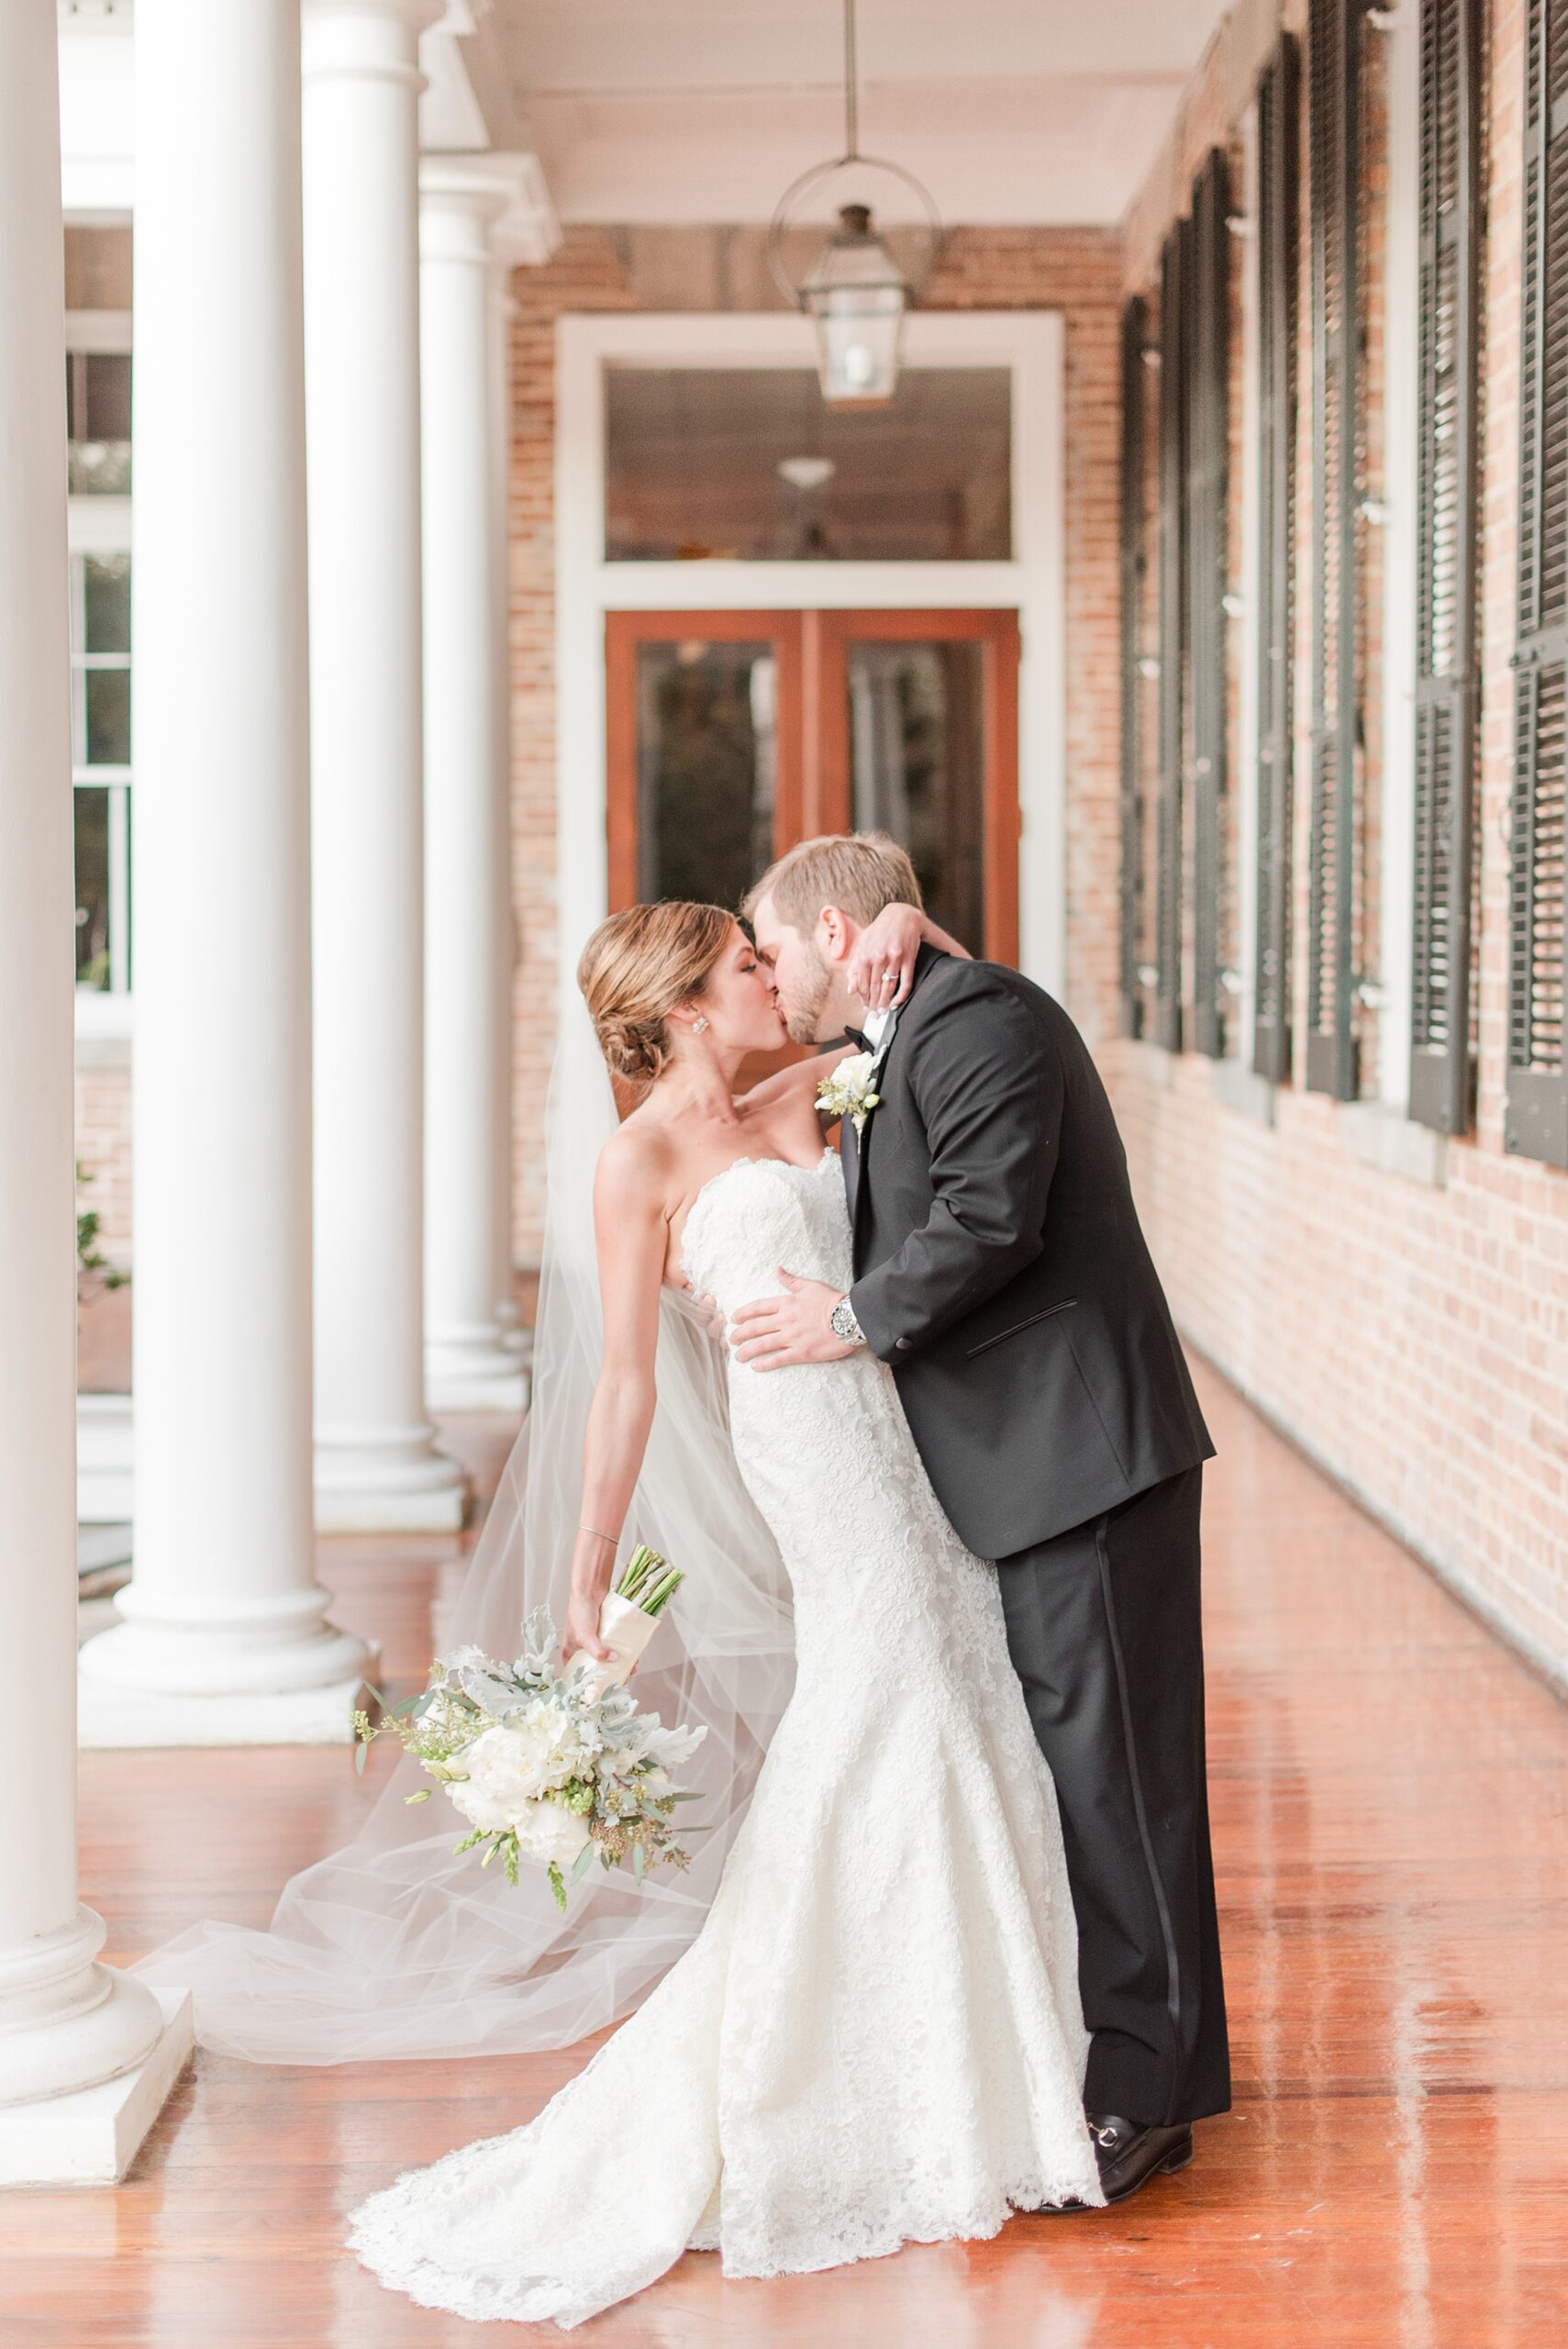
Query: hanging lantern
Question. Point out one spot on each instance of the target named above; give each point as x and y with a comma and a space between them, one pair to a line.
854, 291
857, 296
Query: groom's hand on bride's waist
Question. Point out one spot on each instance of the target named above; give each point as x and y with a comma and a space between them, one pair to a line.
779, 1332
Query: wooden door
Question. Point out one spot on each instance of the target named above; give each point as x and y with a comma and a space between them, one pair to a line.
731, 735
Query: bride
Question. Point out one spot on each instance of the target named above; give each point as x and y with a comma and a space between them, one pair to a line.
875, 2037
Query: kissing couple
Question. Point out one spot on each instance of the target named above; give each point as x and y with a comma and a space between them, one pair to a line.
960, 1956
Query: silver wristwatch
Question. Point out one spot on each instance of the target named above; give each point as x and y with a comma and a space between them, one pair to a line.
844, 1326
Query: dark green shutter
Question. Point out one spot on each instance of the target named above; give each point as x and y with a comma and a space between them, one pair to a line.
1174, 271
1446, 686
1134, 336
1279, 185
1537, 1118
1333, 35
1208, 450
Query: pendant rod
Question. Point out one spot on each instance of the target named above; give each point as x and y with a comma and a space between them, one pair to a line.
852, 99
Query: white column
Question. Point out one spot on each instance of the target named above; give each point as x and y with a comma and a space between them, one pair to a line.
469, 1364
86, 2055
376, 1467
224, 1640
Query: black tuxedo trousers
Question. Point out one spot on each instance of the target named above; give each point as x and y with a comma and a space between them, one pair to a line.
1001, 1273
1105, 1633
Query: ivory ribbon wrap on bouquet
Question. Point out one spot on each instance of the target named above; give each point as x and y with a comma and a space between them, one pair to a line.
626, 1631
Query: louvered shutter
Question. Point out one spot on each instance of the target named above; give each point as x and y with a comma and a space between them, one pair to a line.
1171, 831
1334, 123
1279, 183
1134, 335
1208, 451
1441, 1085
1537, 1118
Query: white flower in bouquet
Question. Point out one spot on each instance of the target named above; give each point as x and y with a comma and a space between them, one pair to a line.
534, 1753
551, 1835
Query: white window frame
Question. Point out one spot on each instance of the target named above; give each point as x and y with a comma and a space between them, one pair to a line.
1030, 345
101, 526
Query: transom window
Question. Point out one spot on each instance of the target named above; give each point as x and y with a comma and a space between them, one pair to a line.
747, 463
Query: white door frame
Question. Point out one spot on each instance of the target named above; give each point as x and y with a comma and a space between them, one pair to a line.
1029, 343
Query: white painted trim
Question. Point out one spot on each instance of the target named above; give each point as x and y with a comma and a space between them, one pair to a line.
1400, 413
1030, 344
97, 330
98, 525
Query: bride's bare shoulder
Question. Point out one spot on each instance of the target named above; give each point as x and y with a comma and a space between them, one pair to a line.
635, 1167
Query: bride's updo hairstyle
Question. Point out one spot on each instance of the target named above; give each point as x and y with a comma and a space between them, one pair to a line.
637, 968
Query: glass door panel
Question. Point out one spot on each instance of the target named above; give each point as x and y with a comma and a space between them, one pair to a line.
706, 764
917, 769
703, 747
914, 731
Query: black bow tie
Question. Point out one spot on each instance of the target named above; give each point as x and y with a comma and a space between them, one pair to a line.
859, 1040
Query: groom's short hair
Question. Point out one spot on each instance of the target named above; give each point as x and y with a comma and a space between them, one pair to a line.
858, 871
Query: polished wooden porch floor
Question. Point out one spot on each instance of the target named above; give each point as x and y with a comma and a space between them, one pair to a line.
1391, 1822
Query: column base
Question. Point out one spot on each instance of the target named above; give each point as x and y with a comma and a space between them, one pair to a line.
481, 1376
92, 2136
500, 1390
517, 1335
104, 1460
400, 1483
110, 1717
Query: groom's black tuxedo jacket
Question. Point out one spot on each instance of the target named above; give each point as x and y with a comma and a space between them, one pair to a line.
1000, 1268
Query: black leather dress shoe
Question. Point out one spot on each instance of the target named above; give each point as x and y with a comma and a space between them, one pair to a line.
1129, 2154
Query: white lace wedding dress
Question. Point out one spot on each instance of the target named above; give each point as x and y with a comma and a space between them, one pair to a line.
876, 2037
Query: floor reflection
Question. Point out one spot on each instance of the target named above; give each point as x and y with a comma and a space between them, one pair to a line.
1390, 1790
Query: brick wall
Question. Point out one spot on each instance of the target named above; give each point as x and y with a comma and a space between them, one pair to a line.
583, 275
1076, 270
103, 1141
1408, 1328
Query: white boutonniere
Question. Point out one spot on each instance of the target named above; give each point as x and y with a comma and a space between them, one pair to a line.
851, 1092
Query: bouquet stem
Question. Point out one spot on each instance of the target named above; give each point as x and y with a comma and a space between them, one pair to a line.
650, 1582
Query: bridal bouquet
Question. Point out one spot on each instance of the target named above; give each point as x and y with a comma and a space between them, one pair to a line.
554, 1767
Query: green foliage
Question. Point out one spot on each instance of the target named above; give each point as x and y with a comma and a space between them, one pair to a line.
89, 1257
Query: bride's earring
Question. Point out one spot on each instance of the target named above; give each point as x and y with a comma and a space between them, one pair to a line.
699, 1023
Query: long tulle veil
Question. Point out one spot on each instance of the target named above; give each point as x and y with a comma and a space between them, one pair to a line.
394, 1947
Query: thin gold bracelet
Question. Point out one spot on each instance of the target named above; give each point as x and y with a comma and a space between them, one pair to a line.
613, 1539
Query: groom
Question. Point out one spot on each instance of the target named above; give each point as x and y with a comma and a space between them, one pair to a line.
1000, 1270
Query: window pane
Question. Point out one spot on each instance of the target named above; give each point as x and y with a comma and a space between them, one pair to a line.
98, 410
918, 761
704, 768
106, 596
746, 461
107, 693
92, 886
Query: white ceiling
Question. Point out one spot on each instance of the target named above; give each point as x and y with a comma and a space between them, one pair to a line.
704, 110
